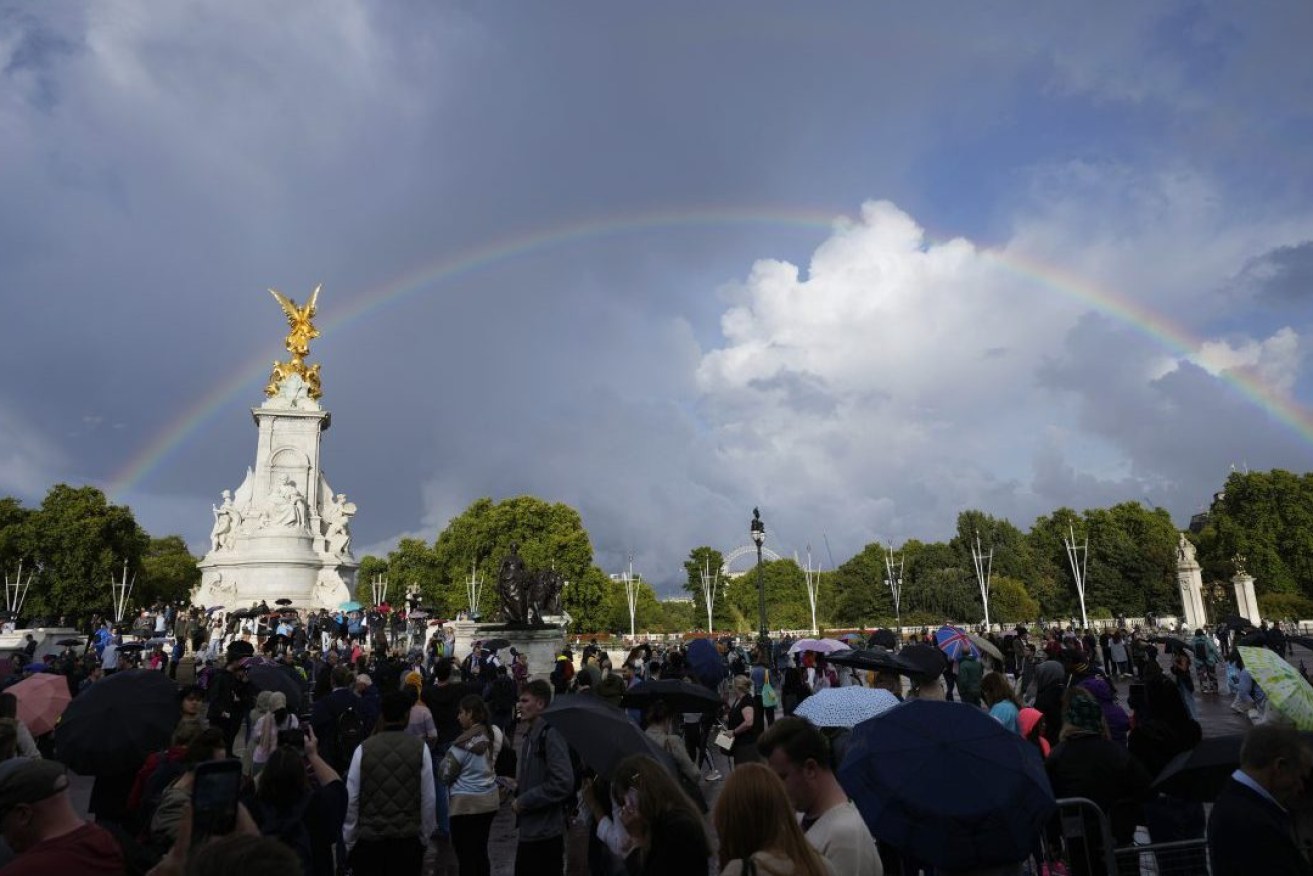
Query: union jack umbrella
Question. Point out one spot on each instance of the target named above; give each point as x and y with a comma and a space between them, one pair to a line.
954, 642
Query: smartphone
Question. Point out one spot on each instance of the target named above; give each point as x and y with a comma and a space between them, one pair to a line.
215, 789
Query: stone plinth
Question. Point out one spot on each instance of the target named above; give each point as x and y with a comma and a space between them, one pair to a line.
1246, 601
539, 644
1189, 576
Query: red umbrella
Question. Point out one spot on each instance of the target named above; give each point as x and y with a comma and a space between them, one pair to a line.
41, 700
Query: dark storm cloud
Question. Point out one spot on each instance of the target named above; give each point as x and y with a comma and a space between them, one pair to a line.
163, 165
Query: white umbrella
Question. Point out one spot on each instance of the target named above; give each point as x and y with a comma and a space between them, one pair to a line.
822, 646
845, 706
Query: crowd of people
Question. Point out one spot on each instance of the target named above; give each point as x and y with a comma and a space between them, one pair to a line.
360, 750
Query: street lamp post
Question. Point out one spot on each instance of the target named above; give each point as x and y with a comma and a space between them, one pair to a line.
758, 533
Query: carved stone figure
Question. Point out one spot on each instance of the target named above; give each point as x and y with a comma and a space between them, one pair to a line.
226, 521
337, 520
288, 506
1185, 551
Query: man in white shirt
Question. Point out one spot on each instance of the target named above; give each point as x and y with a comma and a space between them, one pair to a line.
390, 816
800, 755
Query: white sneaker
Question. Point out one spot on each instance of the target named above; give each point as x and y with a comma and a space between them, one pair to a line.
713, 776
1252, 714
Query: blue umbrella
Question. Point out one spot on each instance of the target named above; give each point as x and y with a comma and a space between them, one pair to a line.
350, 606
705, 661
948, 785
953, 642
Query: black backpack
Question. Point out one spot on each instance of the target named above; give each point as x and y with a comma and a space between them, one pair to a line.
1201, 652
350, 733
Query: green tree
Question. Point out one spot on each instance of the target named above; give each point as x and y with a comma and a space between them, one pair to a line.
707, 559
1266, 517
786, 597
549, 536
80, 543
860, 596
168, 572
588, 601
372, 567
413, 562
648, 614
1009, 603
15, 536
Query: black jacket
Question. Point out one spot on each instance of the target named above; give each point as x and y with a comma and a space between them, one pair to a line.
1249, 834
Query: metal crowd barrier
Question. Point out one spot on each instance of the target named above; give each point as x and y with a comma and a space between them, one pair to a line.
1078, 842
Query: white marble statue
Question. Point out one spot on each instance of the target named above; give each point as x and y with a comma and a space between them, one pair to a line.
337, 524
1185, 551
226, 521
288, 506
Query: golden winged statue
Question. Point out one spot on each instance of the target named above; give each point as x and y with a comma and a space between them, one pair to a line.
298, 344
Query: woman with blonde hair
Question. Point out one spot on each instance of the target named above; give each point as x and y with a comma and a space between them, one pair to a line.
758, 829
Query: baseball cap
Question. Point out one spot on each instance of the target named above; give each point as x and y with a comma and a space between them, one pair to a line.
30, 781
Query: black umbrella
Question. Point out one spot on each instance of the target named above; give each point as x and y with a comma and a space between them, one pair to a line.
1236, 623
1257, 640
240, 648
681, 696
117, 721
283, 601
884, 638
497, 644
599, 732
1171, 643
874, 657
947, 784
1201, 773
132, 646
923, 662
69, 643
272, 677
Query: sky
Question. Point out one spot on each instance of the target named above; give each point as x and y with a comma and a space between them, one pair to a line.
861, 265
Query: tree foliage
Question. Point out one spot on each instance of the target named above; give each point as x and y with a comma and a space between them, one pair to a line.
168, 572
709, 560
77, 542
1267, 518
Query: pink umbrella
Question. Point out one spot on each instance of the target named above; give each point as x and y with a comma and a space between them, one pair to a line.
41, 700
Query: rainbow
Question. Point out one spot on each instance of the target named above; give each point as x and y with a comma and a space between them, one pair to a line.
246, 380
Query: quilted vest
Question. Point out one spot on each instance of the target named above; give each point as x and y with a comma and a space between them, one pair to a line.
390, 767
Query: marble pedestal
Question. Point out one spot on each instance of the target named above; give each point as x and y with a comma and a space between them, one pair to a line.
539, 644
1189, 575
1246, 601
282, 534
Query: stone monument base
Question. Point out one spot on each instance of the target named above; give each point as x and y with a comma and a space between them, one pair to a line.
539, 645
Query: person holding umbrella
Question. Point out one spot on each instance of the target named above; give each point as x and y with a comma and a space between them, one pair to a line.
544, 782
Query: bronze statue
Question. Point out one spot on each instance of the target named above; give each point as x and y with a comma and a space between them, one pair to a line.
298, 344
526, 596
